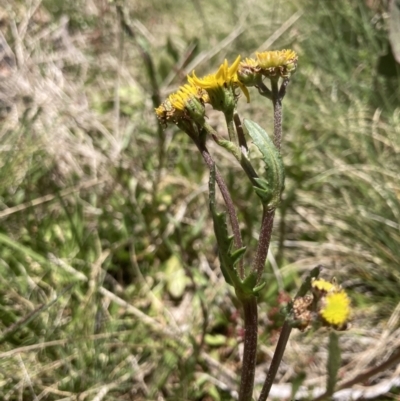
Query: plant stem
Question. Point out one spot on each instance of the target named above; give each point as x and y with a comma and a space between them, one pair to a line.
250, 348
277, 103
277, 96
265, 236
240, 154
282, 232
240, 134
276, 361
237, 238
231, 128
284, 337
263, 242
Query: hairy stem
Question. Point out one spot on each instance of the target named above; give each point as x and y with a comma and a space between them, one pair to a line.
263, 242
277, 96
282, 232
265, 238
276, 361
250, 348
277, 103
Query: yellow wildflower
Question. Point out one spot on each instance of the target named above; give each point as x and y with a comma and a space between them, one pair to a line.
186, 103
324, 286
220, 86
249, 72
336, 309
278, 62
224, 76
182, 96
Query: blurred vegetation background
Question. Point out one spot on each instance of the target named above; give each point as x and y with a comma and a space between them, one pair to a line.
109, 280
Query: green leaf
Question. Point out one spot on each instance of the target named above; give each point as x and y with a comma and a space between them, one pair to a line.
228, 259
269, 188
249, 285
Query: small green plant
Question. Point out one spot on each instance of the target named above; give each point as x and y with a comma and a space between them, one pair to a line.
318, 302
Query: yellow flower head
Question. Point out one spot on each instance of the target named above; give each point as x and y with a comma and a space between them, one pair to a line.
281, 63
328, 304
224, 76
182, 96
324, 286
336, 309
249, 72
220, 86
186, 102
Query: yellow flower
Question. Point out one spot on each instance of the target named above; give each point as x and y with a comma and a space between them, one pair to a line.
224, 76
277, 62
323, 285
249, 72
220, 85
182, 96
336, 309
249, 63
275, 58
186, 102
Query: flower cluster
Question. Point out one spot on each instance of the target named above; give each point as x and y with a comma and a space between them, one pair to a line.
334, 304
219, 89
328, 304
